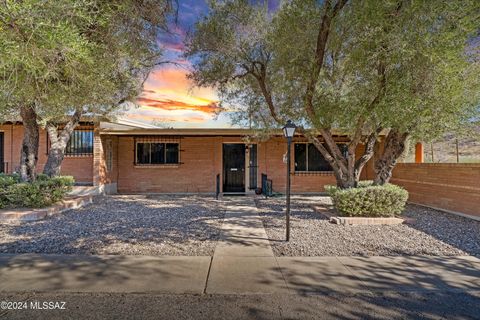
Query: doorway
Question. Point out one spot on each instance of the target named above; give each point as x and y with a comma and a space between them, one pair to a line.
234, 167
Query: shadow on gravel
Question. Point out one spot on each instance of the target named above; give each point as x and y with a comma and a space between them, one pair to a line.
134, 225
426, 232
459, 232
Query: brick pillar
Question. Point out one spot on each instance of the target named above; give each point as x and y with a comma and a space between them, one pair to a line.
419, 153
97, 157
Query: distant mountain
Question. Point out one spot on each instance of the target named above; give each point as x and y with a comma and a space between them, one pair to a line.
445, 150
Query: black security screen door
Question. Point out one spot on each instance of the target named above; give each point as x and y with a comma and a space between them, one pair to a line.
234, 167
2, 164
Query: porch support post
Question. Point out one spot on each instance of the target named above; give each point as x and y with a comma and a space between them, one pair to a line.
98, 173
419, 156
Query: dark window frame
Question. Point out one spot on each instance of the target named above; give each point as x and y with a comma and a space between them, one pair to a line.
306, 158
165, 155
78, 149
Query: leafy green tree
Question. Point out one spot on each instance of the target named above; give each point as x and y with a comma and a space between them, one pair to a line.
296, 63
432, 85
61, 60
334, 67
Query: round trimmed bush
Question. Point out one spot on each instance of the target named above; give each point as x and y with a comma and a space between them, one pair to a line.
368, 200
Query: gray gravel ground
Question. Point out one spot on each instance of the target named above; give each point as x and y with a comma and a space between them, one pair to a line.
132, 225
426, 232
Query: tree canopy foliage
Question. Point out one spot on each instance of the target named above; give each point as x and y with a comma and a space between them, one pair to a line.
352, 67
62, 59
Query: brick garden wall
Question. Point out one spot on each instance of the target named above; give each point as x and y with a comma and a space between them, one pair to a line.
449, 186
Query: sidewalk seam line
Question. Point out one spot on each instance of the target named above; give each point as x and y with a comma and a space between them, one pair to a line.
353, 274
208, 275
283, 276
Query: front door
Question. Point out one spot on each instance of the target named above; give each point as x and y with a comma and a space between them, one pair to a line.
2, 164
234, 167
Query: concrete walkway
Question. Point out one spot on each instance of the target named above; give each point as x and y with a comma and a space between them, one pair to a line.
243, 263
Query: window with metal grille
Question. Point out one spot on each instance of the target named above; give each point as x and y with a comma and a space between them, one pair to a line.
156, 151
309, 159
80, 143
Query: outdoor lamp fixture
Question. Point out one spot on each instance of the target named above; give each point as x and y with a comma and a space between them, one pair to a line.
288, 132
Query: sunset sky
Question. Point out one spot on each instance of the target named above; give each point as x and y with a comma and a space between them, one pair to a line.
168, 98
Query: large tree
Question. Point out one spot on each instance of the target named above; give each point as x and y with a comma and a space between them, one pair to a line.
433, 85
329, 66
60, 60
297, 63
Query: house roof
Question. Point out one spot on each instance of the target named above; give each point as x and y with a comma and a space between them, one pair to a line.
110, 128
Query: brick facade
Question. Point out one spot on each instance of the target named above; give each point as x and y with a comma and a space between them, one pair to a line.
452, 187
200, 157
201, 160
449, 186
80, 167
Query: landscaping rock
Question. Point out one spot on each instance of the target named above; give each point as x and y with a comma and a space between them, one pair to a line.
132, 225
427, 232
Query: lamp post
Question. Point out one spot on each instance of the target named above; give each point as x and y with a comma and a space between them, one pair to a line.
288, 132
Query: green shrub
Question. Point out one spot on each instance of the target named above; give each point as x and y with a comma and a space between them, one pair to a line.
368, 200
41, 193
8, 180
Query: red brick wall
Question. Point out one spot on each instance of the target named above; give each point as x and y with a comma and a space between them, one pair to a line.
80, 168
271, 163
450, 186
201, 161
195, 174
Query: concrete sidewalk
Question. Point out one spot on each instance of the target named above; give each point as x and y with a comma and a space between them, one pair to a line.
243, 263
108, 273
237, 275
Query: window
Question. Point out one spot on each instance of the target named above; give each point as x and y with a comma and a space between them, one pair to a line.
156, 153
80, 143
308, 158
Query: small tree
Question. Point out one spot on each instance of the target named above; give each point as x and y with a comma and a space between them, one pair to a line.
60, 60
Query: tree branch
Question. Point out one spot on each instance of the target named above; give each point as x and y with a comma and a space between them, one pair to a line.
322, 39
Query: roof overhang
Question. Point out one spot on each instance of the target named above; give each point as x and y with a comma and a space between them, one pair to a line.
132, 128
174, 132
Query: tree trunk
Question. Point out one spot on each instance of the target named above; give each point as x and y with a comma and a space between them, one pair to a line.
29, 150
336, 161
368, 153
346, 170
393, 149
58, 143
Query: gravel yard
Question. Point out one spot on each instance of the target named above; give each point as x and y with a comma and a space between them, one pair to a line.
132, 225
427, 232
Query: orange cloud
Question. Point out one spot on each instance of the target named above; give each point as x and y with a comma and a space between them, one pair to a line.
160, 119
169, 89
169, 104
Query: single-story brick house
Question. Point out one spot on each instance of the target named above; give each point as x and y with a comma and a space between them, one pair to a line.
125, 157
